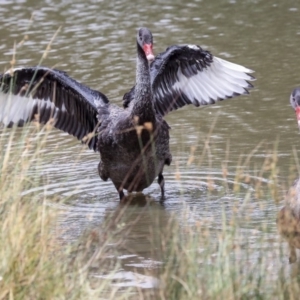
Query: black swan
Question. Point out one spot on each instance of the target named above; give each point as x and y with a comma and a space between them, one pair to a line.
288, 221
133, 141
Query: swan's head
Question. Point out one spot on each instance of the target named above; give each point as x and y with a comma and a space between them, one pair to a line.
145, 41
295, 102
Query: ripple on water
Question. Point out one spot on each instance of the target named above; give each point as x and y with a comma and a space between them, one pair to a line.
131, 279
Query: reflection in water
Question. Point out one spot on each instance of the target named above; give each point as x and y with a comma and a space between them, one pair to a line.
135, 230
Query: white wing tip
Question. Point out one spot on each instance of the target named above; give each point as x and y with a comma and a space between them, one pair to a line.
234, 66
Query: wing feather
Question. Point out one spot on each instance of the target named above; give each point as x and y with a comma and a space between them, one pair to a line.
40, 93
187, 74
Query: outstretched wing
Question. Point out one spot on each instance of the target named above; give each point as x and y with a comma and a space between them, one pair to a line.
44, 94
188, 74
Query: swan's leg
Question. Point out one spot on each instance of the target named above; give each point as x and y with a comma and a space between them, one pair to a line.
121, 195
120, 191
161, 182
293, 255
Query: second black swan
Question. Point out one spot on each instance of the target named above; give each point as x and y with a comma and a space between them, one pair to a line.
288, 220
133, 141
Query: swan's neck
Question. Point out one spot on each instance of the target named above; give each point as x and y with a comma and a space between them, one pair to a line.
143, 105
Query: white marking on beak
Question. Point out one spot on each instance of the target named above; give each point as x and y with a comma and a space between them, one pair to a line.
150, 57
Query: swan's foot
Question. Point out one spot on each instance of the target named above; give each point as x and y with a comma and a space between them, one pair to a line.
161, 182
293, 255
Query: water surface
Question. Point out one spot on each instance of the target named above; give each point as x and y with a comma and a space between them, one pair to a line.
96, 45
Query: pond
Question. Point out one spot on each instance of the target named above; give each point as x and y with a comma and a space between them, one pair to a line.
96, 46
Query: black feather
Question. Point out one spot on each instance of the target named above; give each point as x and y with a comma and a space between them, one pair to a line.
75, 111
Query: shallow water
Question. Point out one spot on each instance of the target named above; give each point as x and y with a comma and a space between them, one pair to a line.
96, 45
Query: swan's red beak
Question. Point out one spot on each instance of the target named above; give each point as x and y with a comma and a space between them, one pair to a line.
298, 115
149, 52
